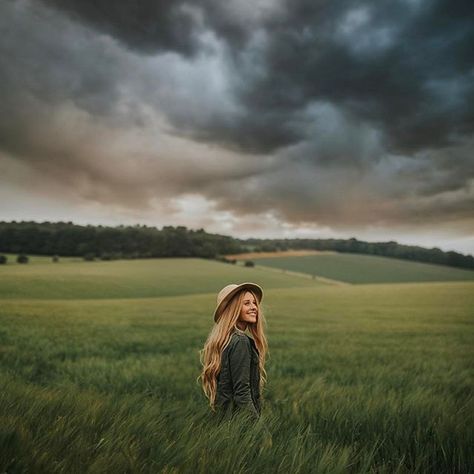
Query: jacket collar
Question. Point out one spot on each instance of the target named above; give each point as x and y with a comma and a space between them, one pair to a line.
239, 331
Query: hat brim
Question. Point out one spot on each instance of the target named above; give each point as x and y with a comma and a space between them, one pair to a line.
243, 286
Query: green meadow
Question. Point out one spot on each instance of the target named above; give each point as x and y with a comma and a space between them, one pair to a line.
99, 360
357, 268
129, 278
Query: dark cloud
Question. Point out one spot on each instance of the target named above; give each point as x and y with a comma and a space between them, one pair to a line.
376, 59
151, 26
146, 26
339, 113
392, 63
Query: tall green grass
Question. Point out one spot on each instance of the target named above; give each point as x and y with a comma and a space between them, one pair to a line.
373, 378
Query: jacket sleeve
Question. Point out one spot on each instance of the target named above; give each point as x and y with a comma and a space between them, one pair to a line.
240, 357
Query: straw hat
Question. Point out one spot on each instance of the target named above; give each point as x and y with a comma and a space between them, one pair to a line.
226, 294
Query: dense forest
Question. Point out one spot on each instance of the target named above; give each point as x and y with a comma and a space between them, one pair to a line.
140, 241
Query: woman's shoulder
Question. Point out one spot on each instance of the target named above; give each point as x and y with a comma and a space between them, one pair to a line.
238, 338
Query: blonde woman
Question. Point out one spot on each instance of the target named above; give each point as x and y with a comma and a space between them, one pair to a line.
233, 373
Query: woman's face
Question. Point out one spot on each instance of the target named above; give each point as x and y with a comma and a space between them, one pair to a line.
249, 311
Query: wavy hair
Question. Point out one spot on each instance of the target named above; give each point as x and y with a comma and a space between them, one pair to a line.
219, 338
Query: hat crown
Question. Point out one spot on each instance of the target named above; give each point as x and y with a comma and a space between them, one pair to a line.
225, 291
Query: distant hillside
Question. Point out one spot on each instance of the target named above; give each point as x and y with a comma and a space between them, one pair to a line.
352, 245
362, 269
140, 241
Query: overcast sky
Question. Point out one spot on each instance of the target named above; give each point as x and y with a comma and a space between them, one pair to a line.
251, 118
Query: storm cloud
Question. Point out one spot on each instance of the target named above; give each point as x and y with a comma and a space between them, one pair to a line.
325, 115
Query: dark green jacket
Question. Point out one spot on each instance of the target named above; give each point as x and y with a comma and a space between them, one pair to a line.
239, 378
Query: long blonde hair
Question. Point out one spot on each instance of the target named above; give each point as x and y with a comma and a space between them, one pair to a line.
219, 338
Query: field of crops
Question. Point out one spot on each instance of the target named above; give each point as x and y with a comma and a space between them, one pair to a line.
99, 360
357, 268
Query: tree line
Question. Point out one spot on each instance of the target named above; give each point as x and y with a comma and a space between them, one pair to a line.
141, 241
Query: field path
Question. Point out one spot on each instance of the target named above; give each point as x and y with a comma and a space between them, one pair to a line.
283, 253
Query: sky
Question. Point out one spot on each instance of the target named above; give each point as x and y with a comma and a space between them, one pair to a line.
262, 118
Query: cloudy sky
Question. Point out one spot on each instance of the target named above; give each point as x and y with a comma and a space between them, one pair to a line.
251, 118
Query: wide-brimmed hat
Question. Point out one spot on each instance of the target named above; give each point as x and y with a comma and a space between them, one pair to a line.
226, 294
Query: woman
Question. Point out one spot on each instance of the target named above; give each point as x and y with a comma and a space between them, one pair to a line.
233, 372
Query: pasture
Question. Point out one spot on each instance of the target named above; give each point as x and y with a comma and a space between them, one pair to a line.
357, 268
128, 278
99, 360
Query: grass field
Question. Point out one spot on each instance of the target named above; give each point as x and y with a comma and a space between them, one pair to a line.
357, 268
100, 376
130, 278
